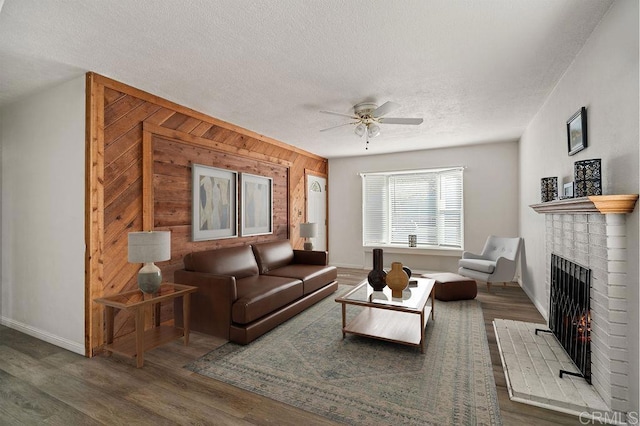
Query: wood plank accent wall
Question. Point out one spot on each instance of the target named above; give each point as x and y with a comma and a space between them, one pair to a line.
139, 151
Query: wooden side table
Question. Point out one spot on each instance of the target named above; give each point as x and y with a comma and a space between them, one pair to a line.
134, 345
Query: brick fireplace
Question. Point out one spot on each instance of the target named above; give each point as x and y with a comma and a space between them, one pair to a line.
597, 239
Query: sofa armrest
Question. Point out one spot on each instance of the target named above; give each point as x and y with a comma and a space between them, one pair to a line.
469, 255
505, 270
310, 257
210, 305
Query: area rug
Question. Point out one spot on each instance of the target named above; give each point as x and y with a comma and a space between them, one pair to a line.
306, 363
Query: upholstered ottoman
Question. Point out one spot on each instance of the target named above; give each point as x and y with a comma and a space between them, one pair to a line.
451, 286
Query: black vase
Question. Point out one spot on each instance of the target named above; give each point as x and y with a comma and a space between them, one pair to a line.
407, 270
377, 276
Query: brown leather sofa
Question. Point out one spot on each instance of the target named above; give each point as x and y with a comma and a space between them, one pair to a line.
243, 292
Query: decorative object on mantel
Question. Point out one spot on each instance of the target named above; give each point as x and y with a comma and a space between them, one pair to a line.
413, 240
577, 131
377, 276
567, 191
588, 177
397, 279
548, 189
149, 247
604, 204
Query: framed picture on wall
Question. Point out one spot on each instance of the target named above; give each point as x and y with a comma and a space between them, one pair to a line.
256, 205
214, 207
577, 131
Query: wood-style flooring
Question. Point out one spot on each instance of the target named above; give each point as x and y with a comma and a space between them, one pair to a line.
43, 384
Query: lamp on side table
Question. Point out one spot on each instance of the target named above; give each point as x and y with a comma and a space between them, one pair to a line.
308, 230
148, 247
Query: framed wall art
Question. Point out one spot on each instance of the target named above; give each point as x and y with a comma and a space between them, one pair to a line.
214, 206
577, 131
257, 205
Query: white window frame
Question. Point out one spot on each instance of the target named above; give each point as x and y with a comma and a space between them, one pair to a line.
403, 247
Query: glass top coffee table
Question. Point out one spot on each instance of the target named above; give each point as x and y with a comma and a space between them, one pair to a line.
400, 320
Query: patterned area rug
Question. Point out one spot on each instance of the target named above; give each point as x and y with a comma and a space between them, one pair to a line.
306, 363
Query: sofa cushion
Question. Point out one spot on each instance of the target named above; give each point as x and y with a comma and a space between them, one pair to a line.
236, 261
313, 276
259, 295
272, 255
486, 266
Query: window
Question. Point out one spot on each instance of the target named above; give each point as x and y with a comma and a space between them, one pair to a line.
427, 203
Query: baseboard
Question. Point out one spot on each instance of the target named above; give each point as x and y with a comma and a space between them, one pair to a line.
539, 307
43, 335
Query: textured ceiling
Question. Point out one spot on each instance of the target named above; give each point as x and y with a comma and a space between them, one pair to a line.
476, 71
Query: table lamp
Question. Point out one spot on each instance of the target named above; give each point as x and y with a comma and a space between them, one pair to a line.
148, 247
308, 230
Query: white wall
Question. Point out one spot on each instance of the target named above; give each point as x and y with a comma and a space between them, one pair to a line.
604, 78
490, 200
43, 150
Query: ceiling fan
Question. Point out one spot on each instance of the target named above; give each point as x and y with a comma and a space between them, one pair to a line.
368, 116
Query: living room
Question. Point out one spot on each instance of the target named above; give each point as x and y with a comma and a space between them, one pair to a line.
44, 286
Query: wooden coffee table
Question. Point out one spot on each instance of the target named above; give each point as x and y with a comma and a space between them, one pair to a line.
400, 320
134, 344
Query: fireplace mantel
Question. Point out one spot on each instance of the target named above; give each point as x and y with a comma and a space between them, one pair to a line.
605, 204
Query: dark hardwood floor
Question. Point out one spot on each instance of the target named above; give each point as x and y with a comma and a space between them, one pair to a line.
43, 384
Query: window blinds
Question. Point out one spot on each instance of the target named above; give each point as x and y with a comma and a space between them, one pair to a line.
427, 203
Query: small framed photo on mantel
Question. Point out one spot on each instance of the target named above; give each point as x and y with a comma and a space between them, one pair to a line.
568, 190
577, 131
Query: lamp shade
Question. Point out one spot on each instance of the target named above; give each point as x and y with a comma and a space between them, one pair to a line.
152, 246
308, 230
360, 129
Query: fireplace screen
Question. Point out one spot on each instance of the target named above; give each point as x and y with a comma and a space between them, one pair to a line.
569, 312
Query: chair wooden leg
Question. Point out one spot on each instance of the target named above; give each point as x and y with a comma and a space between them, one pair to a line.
504, 284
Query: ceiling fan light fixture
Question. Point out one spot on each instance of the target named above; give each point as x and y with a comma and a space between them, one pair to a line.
360, 129
373, 130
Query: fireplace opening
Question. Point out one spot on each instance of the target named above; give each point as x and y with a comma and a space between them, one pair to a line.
569, 312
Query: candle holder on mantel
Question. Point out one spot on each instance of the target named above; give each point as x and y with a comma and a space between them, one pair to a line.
588, 177
548, 189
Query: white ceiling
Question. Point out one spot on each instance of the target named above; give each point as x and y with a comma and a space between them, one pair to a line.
476, 70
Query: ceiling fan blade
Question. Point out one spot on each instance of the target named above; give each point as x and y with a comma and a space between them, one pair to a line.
334, 127
385, 108
355, 117
394, 120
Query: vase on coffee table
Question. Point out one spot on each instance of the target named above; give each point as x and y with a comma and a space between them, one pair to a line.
397, 279
377, 276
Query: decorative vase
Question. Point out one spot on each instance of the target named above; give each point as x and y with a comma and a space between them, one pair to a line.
377, 276
407, 270
397, 279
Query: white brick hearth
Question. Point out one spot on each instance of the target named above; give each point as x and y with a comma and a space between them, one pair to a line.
532, 362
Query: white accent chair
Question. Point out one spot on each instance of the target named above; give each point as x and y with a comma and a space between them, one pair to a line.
496, 263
